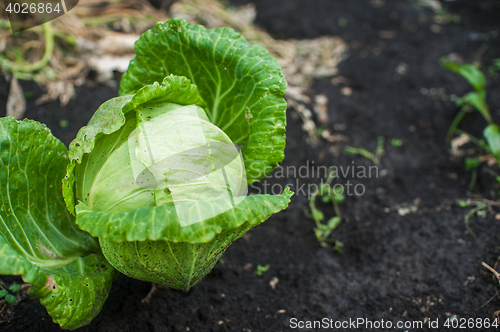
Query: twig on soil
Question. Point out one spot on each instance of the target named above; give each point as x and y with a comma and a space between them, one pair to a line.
497, 275
2, 284
482, 200
463, 202
491, 299
5, 313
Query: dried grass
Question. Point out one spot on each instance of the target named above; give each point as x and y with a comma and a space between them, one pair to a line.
99, 36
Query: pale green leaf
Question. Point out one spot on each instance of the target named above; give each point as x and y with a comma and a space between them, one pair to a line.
108, 125
241, 84
149, 244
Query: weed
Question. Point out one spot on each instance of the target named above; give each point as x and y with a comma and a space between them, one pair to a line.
327, 194
397, 143
373, 156
261, 270
471, 102
8, 293
479, 207
494, 67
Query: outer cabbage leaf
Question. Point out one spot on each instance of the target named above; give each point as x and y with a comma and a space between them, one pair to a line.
241, 84
39, 239
160, 222
73, 294
149, 243
178, 265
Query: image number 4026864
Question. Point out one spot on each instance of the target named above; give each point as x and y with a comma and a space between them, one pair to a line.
26, 14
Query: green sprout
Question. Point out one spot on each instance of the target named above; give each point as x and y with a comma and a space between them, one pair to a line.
373, 156
472, 164
63, 123
29, 94
342, 22
327, 194
494, 67
480, 208
261, 270
8, 293
396, 142
471, 102
474, 100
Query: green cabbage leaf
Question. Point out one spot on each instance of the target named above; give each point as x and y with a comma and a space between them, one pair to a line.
39, 239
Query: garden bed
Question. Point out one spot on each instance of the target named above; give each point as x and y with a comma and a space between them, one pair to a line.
407, 255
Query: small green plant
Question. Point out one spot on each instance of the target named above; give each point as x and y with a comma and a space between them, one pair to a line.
261, 270
396, 142
327, 194
472, 164
342, 22
373, 156
445, 17
64, 123
479, 207
8, 293
494, 67
471, 102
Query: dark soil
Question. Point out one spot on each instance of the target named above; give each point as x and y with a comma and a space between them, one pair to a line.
423, 265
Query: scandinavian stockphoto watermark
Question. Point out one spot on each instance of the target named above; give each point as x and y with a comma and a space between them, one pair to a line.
307, 179
362, 323
26, 14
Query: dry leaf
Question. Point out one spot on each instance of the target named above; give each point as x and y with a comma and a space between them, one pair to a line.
117, 43
106, 64
457, 143
321, 108
274, 281
16, 103
62, 90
